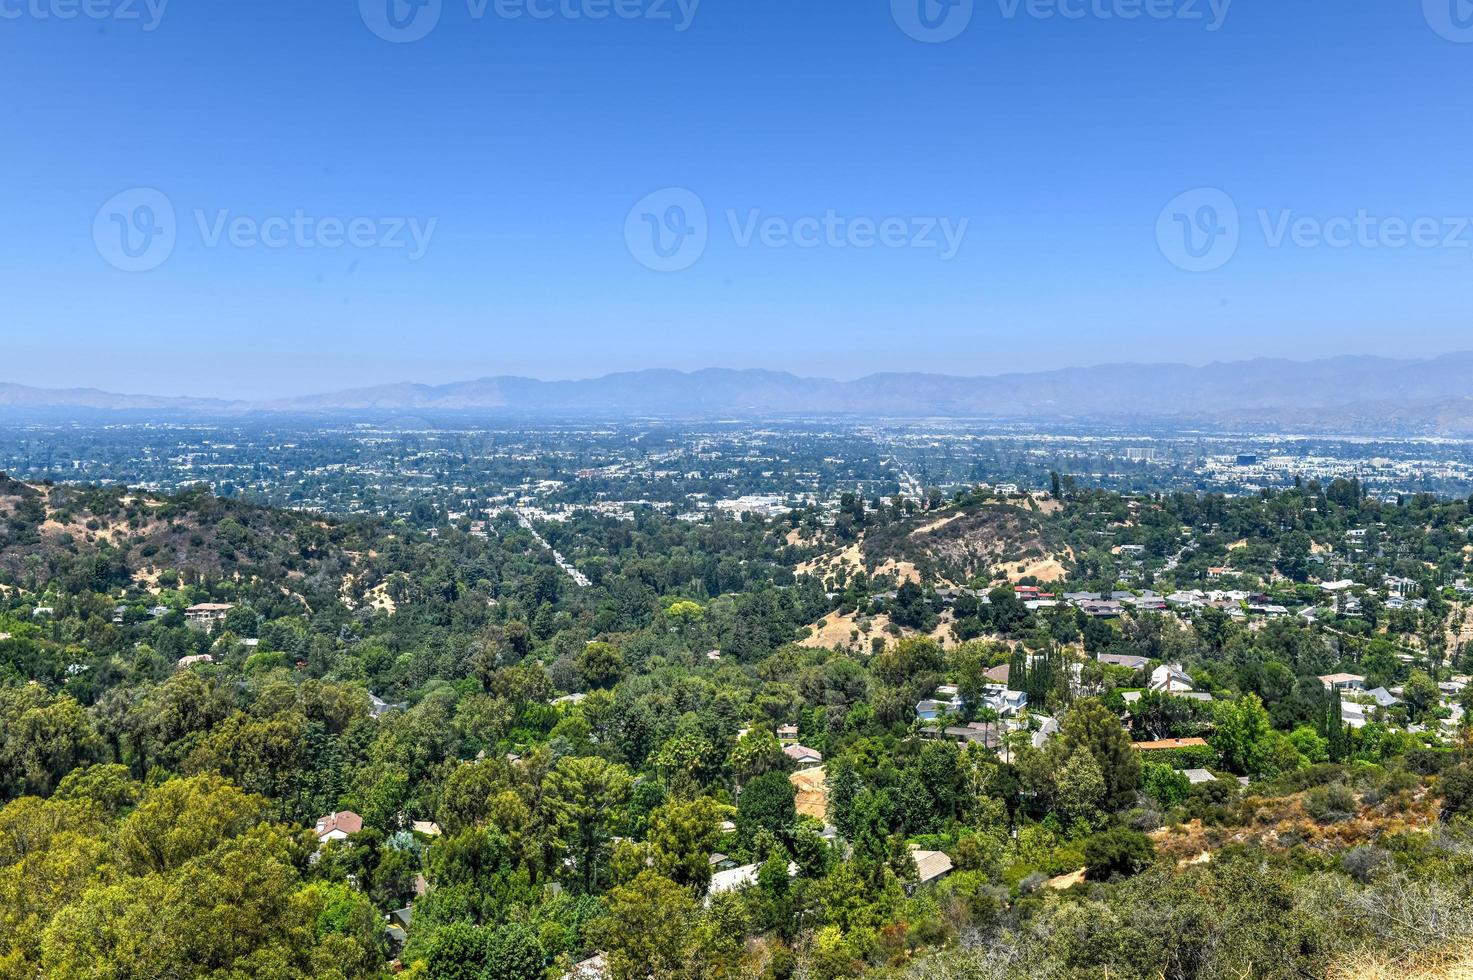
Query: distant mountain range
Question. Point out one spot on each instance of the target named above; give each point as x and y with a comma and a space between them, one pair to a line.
1350, 394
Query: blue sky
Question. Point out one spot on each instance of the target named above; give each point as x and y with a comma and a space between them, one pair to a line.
520, 147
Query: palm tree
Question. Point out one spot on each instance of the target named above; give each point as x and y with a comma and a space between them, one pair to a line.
988, 717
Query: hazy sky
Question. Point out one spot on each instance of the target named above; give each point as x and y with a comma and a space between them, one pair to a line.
285, 196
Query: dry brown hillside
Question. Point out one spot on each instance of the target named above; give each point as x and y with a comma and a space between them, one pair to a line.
996, 541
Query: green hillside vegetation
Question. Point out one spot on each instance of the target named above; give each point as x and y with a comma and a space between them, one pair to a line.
545, 770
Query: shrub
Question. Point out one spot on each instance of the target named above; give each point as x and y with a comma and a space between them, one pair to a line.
1457, 792
1428, 762
1362, 863
1142, 818
1118, 852
1032, 883
1329, 804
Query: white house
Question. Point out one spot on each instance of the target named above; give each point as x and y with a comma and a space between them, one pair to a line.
1171, 679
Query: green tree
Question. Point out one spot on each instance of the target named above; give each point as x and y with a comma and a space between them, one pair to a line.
648, 928
767, 803
1090, 726
183, 819
683, 835
1243, 735
1117, 852
582, 795
600, 665
1081, 787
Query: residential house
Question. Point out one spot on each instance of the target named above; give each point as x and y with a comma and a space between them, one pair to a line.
338, 826
205, 615
947, 700
803, 755
1383, 697
1171, 679
378, 707
1123, 660
596, 967
1343, 682
1148, 602
739, 878
930, 866
930, 709
1005, 702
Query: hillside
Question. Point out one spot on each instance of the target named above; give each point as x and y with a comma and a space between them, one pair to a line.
113, 537
643, 768
952, 546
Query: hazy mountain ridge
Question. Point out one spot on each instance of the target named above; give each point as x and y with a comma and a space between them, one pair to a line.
1428, 396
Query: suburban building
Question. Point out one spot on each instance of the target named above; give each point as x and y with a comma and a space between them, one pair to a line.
930, 865
1343, 682
204, 615
803, 755
1123, 660
1171, 679
338, 826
